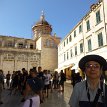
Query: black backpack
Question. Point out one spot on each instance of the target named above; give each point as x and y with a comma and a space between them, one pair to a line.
105, 95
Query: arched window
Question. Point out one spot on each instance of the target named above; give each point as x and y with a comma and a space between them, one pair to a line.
52, 43
47, 42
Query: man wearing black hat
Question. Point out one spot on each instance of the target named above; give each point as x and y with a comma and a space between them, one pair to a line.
92, 92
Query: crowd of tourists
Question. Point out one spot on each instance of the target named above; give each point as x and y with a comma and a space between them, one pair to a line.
34, 86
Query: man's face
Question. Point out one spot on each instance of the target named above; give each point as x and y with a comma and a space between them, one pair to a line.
39, 69
93, 70
33, 74
0, 72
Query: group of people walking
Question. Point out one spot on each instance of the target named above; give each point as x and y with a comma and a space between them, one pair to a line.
34, 86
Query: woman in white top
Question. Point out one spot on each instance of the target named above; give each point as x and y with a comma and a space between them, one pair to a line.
46, 82
33, 87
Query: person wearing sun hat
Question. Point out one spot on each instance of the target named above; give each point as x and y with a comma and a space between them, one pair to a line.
33, 87
91, 92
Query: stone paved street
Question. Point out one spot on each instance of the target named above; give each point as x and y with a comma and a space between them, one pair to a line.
55, 99
59, 99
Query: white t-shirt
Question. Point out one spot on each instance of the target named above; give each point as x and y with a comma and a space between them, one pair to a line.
35, 102
47, 78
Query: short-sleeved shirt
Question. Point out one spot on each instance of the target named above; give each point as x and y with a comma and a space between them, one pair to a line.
35, 102
79, 96
47, 78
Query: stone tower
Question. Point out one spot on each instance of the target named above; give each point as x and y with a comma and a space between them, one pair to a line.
46, 43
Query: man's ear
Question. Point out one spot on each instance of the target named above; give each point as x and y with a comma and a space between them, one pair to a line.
101, 69
102, 72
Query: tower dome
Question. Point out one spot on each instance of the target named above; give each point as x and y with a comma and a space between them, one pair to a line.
42, 20
41, 27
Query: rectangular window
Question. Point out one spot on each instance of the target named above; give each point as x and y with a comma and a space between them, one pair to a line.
75, 50
100, 39
31, 46
98, 18
10, 44
80, 29
70, 38
34, 58
20, 45
64, 57
75, 33
64, 44
67, 55
89, 45
67, 40
81, 47
10, 57
88, 25
71, 53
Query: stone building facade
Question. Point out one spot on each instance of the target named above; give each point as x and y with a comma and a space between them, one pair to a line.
17, 53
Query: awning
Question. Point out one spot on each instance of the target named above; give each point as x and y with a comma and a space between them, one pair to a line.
64, 67
75, 67
67, 66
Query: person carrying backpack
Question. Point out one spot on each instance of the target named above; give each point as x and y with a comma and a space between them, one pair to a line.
62, 80
33, 88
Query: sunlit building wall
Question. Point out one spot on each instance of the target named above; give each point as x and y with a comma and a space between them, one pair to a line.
89, 36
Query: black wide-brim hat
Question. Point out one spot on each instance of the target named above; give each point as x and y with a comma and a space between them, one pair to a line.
93, 57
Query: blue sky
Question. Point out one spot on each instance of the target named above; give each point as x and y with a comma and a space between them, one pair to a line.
18, 16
